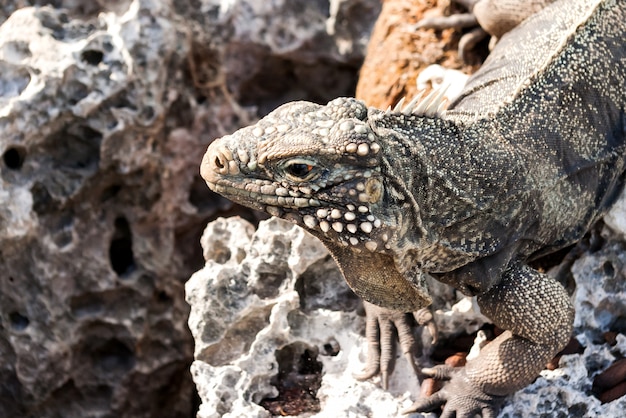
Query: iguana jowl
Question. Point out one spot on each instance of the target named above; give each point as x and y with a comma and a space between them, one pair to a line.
522, 164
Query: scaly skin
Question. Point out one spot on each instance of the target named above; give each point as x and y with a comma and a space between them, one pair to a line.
522, 164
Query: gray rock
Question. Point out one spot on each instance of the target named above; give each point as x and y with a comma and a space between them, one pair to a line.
600, 296
105, 111
265, 297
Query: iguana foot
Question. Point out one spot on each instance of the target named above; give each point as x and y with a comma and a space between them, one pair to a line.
380, 324
489, 17
468, 41
461, 397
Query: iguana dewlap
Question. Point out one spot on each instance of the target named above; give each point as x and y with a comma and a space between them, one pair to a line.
520, 165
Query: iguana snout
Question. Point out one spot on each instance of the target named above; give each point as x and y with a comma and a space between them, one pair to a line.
217, 161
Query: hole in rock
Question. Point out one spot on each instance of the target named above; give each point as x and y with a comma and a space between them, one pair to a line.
180, 112
14, 158
331, 347
75, 147
42, 200
121, 249
148, 112
62, 228
321, 286
608, 269
75, 91
14, 78
113, 356
98, 395
92, 56
220, 253
18, 321
236, 340
163, 297
298, 380
110, 192
619, 323
268, 285
577, 410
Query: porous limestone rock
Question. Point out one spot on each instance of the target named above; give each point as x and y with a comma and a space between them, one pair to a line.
93, 319
264, 298
567, 391
600, 296
105, 111
275, 289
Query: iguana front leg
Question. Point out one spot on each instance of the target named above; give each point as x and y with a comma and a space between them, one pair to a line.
538, 314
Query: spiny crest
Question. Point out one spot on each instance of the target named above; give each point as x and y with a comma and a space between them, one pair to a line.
433, 105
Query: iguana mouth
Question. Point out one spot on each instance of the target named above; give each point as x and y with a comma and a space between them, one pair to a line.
259, 199
322, 216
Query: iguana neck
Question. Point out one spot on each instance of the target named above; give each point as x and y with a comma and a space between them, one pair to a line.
441, 177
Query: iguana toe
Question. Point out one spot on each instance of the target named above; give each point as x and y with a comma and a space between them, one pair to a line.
379, 332
462, 398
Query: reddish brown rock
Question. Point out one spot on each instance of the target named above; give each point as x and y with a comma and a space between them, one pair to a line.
612, 376
397, 52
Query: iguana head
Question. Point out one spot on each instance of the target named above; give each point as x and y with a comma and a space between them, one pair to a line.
315, 165
322, 168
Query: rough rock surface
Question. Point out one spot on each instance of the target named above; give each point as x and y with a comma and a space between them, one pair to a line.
105, 111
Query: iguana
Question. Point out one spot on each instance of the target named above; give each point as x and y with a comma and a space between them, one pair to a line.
520, 165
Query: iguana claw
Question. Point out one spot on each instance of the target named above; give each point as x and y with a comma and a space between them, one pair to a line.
380, 323
461, 397
379, 333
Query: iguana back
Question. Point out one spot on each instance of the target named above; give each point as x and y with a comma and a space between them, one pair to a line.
541, 135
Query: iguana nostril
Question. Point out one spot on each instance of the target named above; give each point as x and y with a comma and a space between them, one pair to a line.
218, 162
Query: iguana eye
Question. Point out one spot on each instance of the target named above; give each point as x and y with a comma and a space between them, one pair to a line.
300, 170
